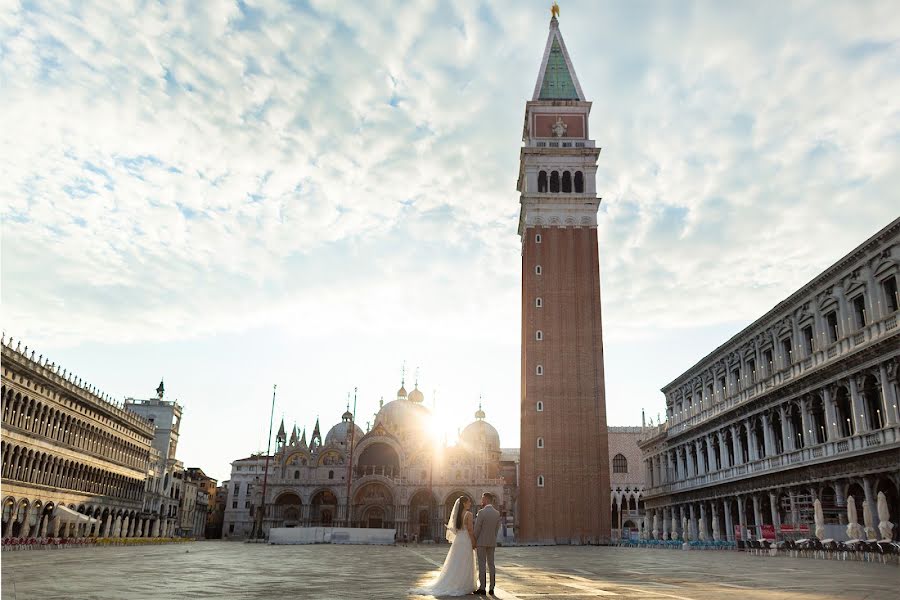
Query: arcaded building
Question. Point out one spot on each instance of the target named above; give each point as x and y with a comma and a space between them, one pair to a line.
801, 405
395, 476
564, 469
627, 481
65, 444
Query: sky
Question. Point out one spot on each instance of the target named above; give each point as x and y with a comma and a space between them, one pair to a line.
233, 195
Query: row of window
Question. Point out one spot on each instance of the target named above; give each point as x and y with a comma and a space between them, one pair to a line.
30, 466
47, 421
565, 182
791, 353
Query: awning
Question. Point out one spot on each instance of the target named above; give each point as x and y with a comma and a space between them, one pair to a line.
67, 515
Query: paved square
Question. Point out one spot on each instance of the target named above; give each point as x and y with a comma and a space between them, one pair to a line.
238, 570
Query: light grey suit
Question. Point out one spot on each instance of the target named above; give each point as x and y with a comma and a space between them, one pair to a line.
487, 524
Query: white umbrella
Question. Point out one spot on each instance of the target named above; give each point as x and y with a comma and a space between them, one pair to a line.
820, 520
854, 531
67, 515
702, 533
867, 520
715, 523
884, 517
684, 529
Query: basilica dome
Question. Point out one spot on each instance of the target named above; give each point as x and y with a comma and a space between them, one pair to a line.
340, 432
416, 395
403, 415
480, 433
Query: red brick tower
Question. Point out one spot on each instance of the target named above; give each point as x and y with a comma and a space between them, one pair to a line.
564, 470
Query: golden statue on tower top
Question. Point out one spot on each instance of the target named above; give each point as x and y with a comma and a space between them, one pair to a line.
554, 10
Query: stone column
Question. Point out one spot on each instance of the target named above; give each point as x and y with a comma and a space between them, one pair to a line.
117, 527
710, 455
669, 474
723, 450
690, 471
773, 504
145, 532
757, 517
154, 529
104, 532
841, 502
795, 511
888, 395
703, 530
856, 405
872, 533
729, 526
786, 437
701, 468
666, 522
742, 516
752, 442
692, 523
808, 438
736, 445
768, 440
831, 426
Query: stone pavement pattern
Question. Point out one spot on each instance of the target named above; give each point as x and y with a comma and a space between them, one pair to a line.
238, 570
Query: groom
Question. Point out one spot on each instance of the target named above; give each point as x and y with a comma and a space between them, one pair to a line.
487, 523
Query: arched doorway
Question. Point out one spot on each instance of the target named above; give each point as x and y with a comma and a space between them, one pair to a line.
373, 506
287, 509
421, 510
323, 509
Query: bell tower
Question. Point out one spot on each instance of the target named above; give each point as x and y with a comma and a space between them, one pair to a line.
564, 469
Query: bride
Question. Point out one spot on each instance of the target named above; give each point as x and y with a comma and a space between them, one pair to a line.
457, 576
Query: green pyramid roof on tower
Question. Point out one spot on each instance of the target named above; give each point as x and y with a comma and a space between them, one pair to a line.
557, 83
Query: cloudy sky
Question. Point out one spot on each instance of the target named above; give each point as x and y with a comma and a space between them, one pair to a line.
236, 194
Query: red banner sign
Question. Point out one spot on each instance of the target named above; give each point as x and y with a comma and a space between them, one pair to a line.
768, 532
737, 532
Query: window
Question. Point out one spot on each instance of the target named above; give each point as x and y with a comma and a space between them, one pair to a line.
537, 269
540, 481
542, 182
620, 464
891, 297
832, 326
539, 370
737, 378
540, 406
567, 182
231, 528
538, 303
330, 474
787, 351
722, 385
537, 238
859, 311
579, 182
539, 335
554, 181
540, 442
751, 366
247, 504
808, 339
296, 474
237, 489
234, 504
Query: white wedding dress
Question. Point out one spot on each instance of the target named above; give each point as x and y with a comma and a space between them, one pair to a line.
458, 576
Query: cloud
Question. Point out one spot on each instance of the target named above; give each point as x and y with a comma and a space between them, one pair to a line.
178, 171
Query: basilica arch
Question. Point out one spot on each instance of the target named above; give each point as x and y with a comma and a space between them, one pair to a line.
378, 458
287, 509
423, 515
323, 508
373, 506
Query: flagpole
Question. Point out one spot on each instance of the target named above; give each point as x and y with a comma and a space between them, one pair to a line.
350, 462
262, 517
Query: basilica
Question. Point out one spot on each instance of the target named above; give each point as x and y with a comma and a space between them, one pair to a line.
397, 475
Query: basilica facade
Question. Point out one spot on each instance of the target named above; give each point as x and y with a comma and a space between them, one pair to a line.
398, 475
